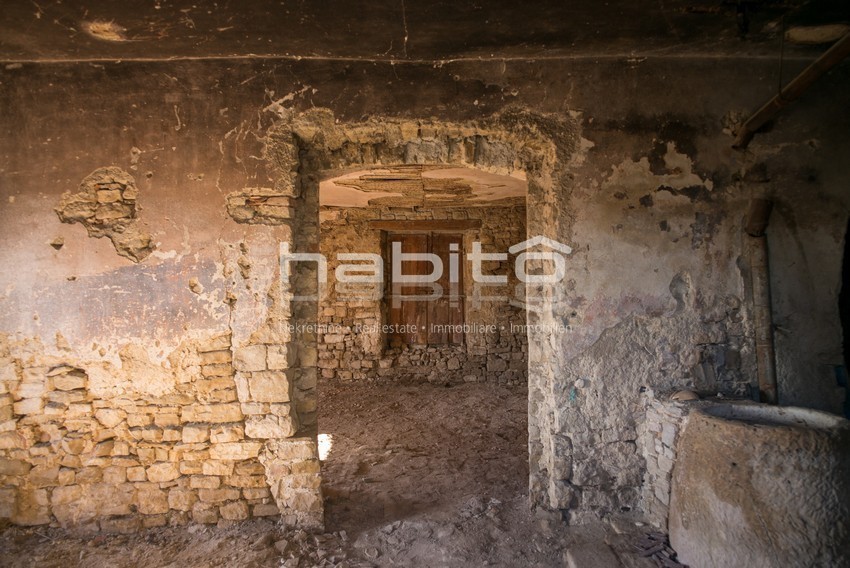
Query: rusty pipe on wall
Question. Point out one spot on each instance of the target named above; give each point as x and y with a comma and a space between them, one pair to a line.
792, 91
757, 220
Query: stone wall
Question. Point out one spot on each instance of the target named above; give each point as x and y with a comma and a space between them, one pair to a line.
90, 446
353, 344
657, 436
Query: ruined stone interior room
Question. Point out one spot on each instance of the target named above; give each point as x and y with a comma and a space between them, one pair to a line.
361, 284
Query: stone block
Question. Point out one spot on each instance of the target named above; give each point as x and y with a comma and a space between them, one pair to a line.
162, 472
166, 419
214, 467
216, 357
32, 507
182, 499
136, 474
235, 450
253, 493
270, 426
246, 481
28, 406
219, 342
110, 417
218, 495
152, 501
70, 381
204, 513
195, 433
14, 467
227, 433
269, 386
279, 357
215, 413
265, 510
204, 482
236, 511
250, 358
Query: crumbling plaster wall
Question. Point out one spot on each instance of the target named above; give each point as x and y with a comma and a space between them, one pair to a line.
639, 179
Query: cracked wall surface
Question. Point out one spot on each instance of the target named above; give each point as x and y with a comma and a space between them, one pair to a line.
640, 181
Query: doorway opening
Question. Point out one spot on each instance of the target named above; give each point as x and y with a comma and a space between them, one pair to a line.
422, 372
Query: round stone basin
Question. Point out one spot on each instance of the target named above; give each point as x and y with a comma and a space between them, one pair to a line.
761, 486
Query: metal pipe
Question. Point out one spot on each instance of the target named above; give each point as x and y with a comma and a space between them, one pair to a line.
757, 220
792, 91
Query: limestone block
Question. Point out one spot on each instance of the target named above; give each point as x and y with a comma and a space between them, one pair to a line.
110, 417
136, 474
246, 481
182, 499
78, 504
28, 406
166, 419
14, 467
250, 358
227, 433
269, 386
265, 510
279, 357
254, 493
163, 471
218, 495
195, 433
235, 450
216, 357
70, 381
216, 413
270, 426
219, 342
204, 482
204, 513
236, 511
44, 476
215, 467
31, 507
152, 501
114, 474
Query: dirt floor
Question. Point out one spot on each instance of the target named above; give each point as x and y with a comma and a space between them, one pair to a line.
416, 475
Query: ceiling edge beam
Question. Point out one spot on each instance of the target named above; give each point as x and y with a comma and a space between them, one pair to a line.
792, 91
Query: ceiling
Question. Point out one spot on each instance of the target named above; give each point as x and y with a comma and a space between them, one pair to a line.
423, 186
399, 30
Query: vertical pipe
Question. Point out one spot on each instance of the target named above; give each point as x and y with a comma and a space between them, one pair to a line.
757, 220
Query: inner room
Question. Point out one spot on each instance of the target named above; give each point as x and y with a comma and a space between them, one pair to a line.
423, 386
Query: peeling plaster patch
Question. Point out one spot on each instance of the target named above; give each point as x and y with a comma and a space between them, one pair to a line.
681, 180
106, 31
106, 207
580, 156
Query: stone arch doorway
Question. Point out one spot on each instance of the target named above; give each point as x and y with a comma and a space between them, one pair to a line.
303, 149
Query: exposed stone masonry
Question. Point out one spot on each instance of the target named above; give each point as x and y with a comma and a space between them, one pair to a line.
106, 206
77, 453
657, 437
